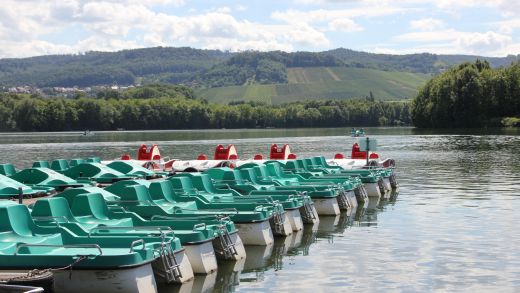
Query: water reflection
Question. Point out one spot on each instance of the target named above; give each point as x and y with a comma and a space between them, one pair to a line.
285, 251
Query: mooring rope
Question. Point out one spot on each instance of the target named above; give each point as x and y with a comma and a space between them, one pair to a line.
37, 272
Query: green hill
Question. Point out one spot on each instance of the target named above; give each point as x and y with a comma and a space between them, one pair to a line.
208, 68
306, 83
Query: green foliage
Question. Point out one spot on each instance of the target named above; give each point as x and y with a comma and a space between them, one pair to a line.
511, 122
167, 108
420, 63
103, 68
468, 95
207, 68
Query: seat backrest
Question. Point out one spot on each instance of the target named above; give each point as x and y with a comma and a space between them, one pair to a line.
75, 162
94, 160
208, 185
261, 171
222, 153
248, 174
292, 165
182, 182
143, 154
53, 207
274, 169
90, 204
59, 165
7, 169
133, 193
162, 190
42, 164
16, 218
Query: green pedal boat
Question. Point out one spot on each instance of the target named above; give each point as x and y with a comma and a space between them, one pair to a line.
99, 263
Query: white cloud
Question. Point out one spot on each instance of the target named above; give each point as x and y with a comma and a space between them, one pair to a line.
487, 43
426, 24
344, 25
323, 15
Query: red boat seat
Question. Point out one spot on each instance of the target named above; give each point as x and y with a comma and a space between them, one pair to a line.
339, 156
125, 157
222, 153
146, 155
357, 154
282, 153
258, 157
202, 157
373, 156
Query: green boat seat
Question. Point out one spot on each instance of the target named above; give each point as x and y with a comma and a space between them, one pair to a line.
94, 160
162, 195
7, 169
92, 209
60, 165
41, 164
16, 225
75, 162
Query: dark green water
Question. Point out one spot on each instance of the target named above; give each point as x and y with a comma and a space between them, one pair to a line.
453, 227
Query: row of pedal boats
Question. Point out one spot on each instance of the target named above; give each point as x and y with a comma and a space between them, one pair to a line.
122, 227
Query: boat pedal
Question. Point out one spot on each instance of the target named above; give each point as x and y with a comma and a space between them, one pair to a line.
228, 247
343, 201
277, 221
393, 181
308, 214
171, 266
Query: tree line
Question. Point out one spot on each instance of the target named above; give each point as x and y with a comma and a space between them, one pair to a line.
469, 95
179, 110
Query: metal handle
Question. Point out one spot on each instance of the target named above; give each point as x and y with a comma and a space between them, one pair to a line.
135, 242
95, 246
43, 218
133, 228
123, 201
199, 225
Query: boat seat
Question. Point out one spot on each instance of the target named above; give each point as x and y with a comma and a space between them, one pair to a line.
75, 162
60, 165
94, 160
7, 169
92, 209
163, 194
17, 226
41, 164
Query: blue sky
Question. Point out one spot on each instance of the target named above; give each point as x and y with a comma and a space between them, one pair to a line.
38, 27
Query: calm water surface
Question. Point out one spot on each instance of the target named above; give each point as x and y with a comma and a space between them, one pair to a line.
454, 226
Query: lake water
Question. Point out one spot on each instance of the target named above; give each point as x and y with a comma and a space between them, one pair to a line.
454, 226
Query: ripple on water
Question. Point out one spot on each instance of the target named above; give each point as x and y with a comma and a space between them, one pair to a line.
453, 227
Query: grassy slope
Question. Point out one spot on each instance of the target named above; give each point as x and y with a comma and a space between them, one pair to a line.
324, 83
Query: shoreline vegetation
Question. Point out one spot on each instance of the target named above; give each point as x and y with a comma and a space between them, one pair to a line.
470, 95
162, 106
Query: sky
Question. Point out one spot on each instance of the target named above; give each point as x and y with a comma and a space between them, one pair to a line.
476, 27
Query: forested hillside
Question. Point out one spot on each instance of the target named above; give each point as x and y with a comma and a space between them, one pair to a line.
168, 107
470, 95
206, 68
174, 65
